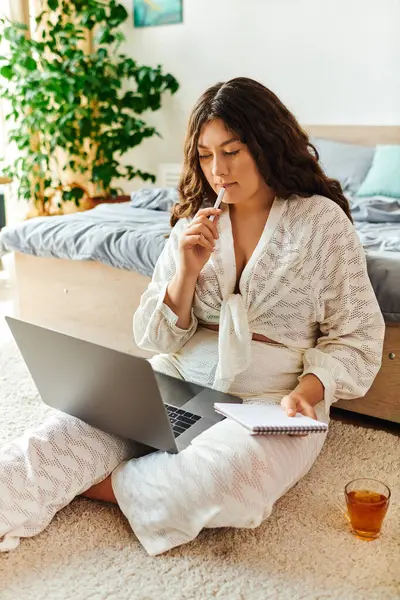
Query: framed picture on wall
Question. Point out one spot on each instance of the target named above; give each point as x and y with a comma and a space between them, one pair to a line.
147, 13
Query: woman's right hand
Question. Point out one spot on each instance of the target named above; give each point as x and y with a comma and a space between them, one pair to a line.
198, 241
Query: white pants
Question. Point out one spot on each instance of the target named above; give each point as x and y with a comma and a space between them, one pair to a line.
225, 478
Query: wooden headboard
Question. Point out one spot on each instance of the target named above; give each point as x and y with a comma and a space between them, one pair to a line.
367, 135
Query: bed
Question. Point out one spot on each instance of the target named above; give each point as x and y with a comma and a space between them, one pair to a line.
87, 279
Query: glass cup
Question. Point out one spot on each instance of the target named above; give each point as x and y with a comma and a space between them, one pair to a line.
367, 502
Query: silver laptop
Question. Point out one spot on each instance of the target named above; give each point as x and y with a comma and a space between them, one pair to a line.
114, 391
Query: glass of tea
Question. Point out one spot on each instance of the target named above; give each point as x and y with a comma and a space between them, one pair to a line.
367, 502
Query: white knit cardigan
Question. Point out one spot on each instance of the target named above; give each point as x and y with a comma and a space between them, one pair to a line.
305, 286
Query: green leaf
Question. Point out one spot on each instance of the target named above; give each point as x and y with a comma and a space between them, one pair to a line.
53, 4
9, 34
171, 83
20, 26
118, 14
66, 195
6, 72
40, 16
102, 53
76, 194
146, 176
88, 22
30, 64
104, 36
85, 127
119, 36
100, 15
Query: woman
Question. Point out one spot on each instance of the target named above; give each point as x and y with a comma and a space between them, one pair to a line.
270, 299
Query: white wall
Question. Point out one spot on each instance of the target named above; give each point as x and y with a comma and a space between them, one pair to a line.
330, 61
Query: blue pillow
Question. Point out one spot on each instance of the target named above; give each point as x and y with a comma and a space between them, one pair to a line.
349, 163
155, 198
383, 178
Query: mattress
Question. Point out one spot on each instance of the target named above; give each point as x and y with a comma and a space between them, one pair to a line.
118, 235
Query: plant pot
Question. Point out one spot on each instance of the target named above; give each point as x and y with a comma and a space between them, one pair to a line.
95, 200
87, 203
70, 207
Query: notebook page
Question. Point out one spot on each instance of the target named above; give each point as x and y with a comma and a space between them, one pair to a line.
264, 415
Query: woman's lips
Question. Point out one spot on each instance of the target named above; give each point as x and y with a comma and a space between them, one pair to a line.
226, 185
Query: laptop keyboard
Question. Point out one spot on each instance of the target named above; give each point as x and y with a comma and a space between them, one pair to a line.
180, 419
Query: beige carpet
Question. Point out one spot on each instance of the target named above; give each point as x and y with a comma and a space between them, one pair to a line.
303, 551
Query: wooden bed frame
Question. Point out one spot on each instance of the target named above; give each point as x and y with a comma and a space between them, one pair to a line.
97, 302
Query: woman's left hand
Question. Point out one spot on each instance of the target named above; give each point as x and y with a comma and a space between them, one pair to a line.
296, 403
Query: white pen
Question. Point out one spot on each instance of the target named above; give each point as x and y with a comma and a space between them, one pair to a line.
218, 202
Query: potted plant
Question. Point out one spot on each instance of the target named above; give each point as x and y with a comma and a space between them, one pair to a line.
76, 112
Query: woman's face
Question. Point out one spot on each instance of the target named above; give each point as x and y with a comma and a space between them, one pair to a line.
226, 162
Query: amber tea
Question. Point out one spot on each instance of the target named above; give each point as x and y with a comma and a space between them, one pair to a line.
367, 507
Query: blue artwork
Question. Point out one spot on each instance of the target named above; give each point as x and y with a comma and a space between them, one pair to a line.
156, 12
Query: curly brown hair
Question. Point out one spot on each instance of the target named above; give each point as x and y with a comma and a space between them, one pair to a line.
282, 150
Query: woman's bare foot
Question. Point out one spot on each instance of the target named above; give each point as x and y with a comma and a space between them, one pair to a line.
101, 491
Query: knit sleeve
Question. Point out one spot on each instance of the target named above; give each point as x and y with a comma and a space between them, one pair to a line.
154, 323
348, 353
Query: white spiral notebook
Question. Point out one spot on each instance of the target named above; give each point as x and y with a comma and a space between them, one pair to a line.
269, 419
